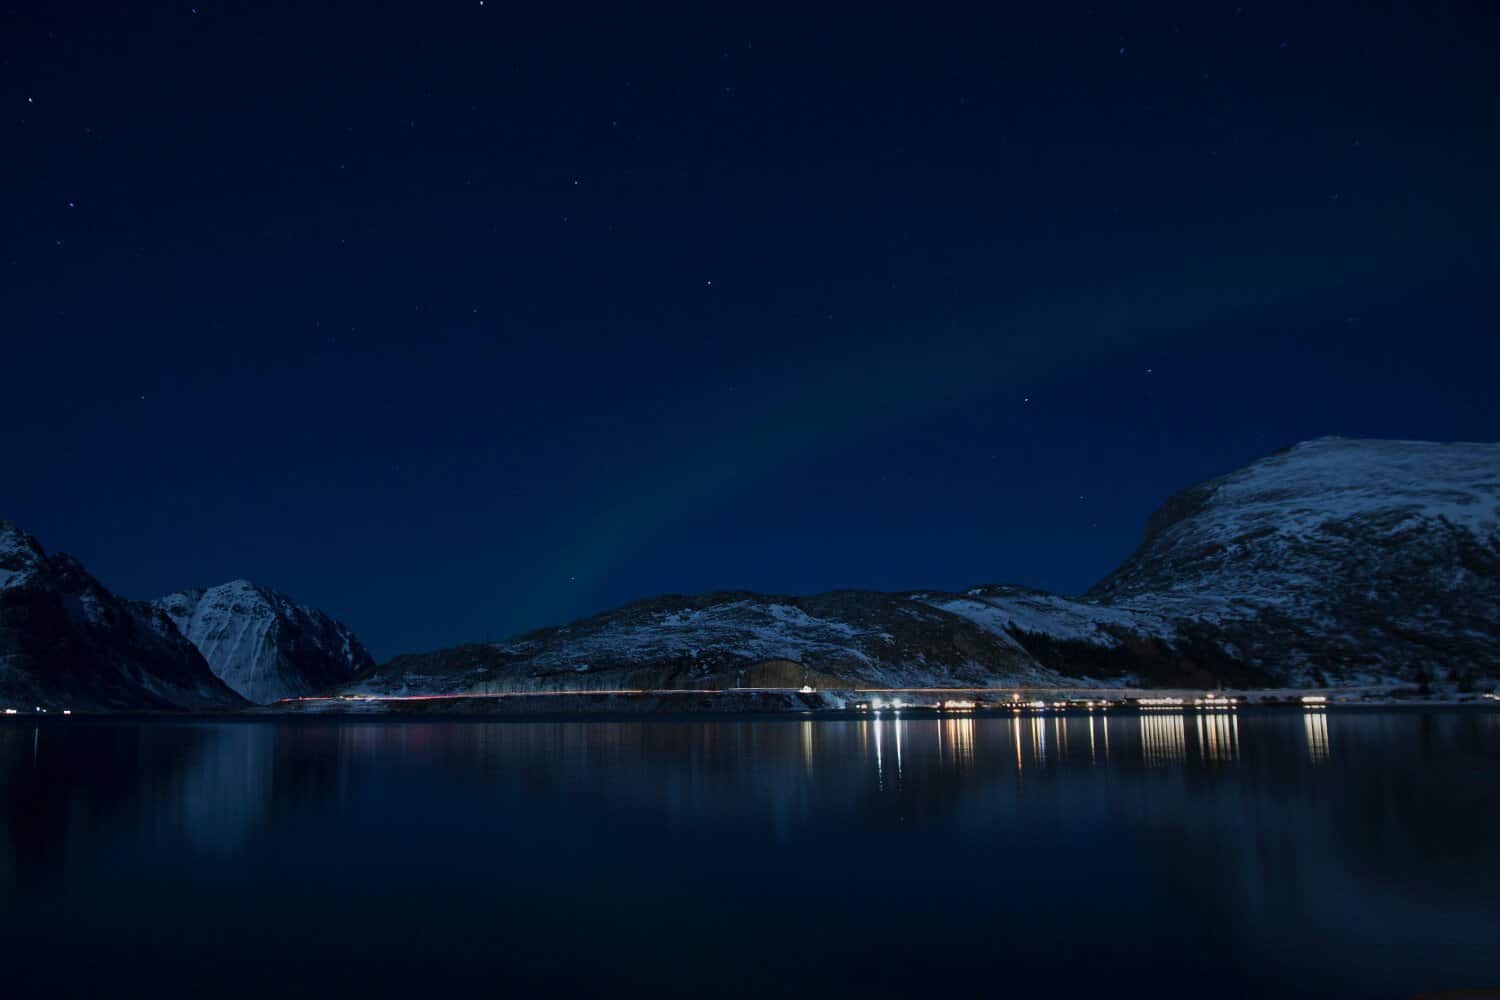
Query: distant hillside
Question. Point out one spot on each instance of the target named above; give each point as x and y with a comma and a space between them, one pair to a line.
1335, 561
844, 639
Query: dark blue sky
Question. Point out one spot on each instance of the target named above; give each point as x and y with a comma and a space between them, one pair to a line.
457, 321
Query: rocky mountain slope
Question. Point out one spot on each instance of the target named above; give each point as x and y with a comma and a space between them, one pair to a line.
733, 639
66, 642
992, 636
1335, 561
263, 644
1091, 643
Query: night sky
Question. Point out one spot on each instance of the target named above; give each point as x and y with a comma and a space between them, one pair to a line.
457, 321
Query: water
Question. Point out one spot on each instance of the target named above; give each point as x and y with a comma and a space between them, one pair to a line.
1266, 853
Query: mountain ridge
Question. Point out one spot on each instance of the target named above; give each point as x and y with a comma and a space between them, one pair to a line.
1333, 562
1252, 577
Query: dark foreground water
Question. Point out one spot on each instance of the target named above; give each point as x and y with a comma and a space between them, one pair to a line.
1276, 853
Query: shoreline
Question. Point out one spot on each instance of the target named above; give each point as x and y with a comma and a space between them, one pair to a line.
856, 704
798, 703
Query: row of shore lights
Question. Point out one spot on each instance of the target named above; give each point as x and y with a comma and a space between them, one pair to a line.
38, 710
957, 705
1210, 700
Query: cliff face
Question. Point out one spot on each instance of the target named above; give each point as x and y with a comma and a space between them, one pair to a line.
263, 644
67, 642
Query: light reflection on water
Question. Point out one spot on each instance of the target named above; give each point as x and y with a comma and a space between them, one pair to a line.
1315, 725
1163, 738
956, 735
1015, 725
543, 852
1218, 736
900, 726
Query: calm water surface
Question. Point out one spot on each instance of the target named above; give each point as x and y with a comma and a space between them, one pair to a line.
1269, 853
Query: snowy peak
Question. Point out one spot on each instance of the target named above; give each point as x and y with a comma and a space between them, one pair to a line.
67, 642
1313, 496
263, 644
1308, 485
20, 555
1335, 558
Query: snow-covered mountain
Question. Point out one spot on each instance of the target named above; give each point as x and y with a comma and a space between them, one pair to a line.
263, 644
842, 639
67, 642
1093, 643
1335, 561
